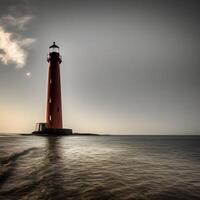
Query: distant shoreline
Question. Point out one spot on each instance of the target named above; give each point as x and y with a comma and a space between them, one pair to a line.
96, 134
93, 134
74, 134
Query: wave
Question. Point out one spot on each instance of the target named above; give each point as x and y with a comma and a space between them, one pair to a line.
7, 164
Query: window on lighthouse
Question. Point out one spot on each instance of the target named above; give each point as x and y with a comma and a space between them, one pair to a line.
50, 100
50, 117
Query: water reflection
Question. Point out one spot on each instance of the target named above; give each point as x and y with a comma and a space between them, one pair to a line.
53, 176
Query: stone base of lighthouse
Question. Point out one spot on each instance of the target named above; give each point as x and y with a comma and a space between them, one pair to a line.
42, 130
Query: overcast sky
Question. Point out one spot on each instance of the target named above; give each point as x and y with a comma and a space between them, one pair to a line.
128, 66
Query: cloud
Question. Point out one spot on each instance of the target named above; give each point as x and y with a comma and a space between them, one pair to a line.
13, 46
19, 22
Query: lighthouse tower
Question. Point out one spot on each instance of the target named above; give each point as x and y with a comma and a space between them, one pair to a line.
54, 124
54, 103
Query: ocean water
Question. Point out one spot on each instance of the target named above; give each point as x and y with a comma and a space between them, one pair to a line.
100, 167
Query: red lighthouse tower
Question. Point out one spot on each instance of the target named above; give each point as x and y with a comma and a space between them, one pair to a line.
54, 124
54, 103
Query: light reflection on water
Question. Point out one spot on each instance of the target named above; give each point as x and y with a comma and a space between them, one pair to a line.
104, 167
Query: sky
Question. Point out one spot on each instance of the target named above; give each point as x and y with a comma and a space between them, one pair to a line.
128, 67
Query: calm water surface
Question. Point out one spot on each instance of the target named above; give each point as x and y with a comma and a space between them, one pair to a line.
100, 167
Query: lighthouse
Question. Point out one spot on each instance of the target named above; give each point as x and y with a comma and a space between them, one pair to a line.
54, 123
54, 102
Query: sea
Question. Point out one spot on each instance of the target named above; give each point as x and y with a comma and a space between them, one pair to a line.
100, 167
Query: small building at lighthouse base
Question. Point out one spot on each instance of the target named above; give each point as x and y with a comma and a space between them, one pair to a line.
43, 130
